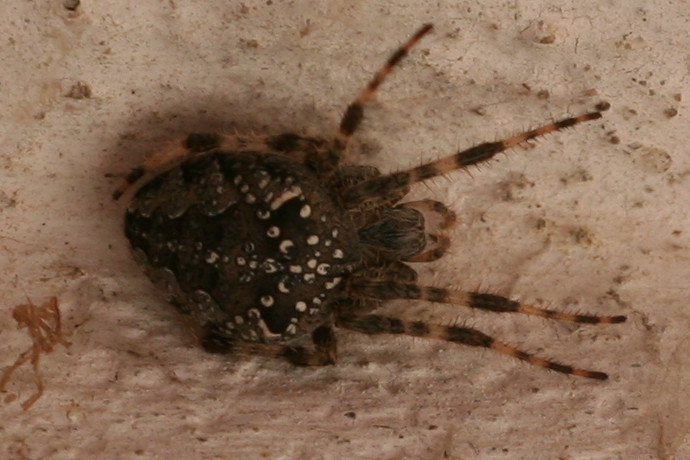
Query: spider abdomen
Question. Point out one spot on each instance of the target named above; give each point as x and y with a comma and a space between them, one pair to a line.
249, 244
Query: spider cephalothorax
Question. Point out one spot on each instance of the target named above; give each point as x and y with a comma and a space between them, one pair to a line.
265, 240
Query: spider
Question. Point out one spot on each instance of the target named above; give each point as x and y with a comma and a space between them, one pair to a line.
264, 241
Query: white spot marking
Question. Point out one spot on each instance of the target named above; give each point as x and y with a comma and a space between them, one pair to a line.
285, 245
291, 329
239, 320
333, 283
273, 232
338, 254
212, 258
241, 261
312, 240
282, 287
292, 192
305, 211
265, 330
322, 269
311, 263
270, 266
250, 199
301, 306
309, 277
267, 301
263, 215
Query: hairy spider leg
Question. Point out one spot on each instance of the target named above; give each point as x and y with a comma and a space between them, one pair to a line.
288, 143
390, 290
378, 324
174, 153
354, 113
323, 354
370, 189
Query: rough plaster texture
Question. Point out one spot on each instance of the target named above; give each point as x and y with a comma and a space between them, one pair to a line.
593, 219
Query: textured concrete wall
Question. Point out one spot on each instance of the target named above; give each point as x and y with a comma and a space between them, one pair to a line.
593, 219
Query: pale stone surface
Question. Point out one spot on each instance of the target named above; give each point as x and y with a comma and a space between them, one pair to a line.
594, 219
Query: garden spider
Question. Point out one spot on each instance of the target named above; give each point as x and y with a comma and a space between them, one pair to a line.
266, 240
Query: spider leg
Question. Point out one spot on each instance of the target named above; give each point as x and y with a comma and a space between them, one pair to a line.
394, 271
389, 290
354, 113
293, 145
323, 338
377, 324
370, 189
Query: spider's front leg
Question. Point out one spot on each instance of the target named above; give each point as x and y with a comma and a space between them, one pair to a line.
383, 290
328, 161
370, 190
378, 324
389, 290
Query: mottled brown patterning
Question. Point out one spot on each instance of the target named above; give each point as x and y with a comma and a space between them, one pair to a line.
266, 240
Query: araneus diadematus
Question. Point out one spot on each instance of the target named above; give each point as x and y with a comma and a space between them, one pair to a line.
266, 240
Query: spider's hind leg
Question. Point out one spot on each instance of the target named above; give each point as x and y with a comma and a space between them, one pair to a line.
323, 353
293, 145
